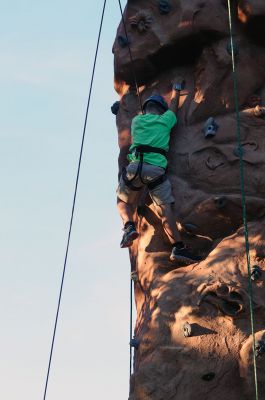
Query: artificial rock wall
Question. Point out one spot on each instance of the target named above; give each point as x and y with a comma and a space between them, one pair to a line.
190, 38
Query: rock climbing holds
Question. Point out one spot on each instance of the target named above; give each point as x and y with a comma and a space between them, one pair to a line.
141, 211
190, 228
141, 21
239, 151
260, 348
259, 111
135, 343
134, 276
210, 128
208, 377
187, 330
123, 41
256, 273
229, 48
115, 107
220, 202
164, 6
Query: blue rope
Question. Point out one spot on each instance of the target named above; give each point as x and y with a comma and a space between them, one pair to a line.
73, 204
243, 194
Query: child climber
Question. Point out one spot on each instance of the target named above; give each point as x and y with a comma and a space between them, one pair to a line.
148, 162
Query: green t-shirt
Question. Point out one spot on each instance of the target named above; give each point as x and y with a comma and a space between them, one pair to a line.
153, 130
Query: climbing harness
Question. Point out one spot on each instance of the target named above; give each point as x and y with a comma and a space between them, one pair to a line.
139, 151
243, 196
74, 202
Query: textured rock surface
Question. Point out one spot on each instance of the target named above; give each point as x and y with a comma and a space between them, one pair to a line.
190, 38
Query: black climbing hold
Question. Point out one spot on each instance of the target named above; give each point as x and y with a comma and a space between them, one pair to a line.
164, 6
260, 348
239, 151
187, 330
191, 229
115, 107
123, 41
256, 273
235, 48
135, 343
210, 128
134, 276
208, 377
220, 202
141, 211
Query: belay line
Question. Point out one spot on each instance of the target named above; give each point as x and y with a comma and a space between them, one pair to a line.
142, 110
73, 204
243, 197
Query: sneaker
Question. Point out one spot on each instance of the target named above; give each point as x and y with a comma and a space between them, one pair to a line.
130, 234
183, 256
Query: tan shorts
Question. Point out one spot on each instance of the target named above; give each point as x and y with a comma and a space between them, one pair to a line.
161, 194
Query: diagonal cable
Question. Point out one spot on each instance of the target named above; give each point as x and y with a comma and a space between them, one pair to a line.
73, 204
243, 194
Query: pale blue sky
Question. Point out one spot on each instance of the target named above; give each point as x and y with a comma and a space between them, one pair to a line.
47, 50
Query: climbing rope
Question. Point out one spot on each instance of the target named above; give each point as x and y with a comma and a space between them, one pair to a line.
73, 204
131, 59
243, 195
131, 327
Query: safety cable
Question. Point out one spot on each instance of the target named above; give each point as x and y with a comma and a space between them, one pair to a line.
131, 328
74, 201
243, 197
131, 59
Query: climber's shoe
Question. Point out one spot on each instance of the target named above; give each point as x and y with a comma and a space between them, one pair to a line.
130, 234
180, 253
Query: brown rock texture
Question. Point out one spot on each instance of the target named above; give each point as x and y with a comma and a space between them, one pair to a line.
190, 38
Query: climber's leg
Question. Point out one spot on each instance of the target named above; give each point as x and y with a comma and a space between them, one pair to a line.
169, 224
128, 193
162, 198
130, 233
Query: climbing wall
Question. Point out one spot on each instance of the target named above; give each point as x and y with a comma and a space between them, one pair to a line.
193, 323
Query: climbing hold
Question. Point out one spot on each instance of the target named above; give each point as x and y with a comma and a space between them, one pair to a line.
164, 6
123, 41
115, 107
134, 276
187, 330
220, 202
135, 343
239, 151
190, 228
210, 128
259, 111
208, 377
260, 348
235, 48
141, 21
141, 211
256, 273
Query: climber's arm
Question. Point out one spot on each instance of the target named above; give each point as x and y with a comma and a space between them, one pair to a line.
174, 101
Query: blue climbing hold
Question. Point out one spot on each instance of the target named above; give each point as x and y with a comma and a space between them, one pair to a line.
220, 202
260, 348
256, 273
135, 343
164, 7
115, 107
210, 128
239, 151
123, 41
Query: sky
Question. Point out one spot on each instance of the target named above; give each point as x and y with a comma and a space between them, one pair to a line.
47, 50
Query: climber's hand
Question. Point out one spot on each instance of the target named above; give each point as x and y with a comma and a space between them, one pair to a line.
179, 84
